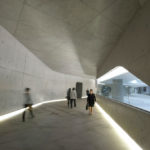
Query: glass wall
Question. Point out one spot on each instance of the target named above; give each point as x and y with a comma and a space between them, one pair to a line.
121, 85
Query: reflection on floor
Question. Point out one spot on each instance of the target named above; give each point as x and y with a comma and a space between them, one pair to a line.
56, 127
138, 100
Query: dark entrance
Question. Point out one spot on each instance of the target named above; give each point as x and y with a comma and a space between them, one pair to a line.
79, 87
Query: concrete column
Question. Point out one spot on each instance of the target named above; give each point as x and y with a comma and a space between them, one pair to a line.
117, 89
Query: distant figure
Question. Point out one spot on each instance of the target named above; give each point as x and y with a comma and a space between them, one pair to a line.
87, 92
68, 97
91, 100
73, 97
27, 103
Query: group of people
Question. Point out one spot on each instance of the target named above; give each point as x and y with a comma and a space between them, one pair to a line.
71, 97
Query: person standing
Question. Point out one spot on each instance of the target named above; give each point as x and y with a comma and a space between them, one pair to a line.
27, 103
87, 92
73, 97
91, 101
68, 97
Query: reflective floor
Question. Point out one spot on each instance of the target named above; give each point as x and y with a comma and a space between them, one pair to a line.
56, 127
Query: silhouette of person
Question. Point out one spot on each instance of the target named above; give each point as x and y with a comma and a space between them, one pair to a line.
73, 97
87, 92
68, 97
27, 103
91, 100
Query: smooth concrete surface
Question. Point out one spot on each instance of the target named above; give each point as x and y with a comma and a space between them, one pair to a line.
133, 49
134, 121
78, 34
19, 68
56, 127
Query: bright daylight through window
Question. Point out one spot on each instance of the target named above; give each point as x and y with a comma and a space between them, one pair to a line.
121, 85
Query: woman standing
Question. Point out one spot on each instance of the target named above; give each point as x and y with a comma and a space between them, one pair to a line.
91, 100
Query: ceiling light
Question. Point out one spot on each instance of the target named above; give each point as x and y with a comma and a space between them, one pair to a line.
134, 81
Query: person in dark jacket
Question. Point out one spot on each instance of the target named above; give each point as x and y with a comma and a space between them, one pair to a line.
91, 100
68, 97
87, 92
27, 103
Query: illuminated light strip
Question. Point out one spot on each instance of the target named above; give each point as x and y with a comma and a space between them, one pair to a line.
15, 113
10, 115
129, 141
45, 102
84, 96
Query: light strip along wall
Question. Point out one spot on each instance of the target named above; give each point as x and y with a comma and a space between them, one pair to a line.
15, 113
128, 140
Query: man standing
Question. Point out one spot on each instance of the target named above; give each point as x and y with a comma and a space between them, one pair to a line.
87, 92
68, 96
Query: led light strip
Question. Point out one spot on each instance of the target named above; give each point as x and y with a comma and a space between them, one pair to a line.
15, 113
129, 141
84, 97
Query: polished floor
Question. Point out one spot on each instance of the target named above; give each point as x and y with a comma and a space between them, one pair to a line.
56, 127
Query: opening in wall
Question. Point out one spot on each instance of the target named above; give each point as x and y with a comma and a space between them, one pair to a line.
121, 85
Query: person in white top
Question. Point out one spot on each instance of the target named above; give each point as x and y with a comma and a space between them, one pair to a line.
73, 97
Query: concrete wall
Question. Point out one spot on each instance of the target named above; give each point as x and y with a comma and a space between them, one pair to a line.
133, 49
134, 121
19, 68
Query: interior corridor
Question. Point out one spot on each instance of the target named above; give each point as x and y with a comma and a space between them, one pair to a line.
56, 127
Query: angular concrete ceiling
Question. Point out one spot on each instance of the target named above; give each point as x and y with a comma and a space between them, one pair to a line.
70, 36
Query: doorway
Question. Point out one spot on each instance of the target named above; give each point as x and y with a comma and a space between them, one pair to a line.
79, 86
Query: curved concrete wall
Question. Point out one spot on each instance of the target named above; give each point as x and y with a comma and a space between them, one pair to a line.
19, 68
134, 121
133, 49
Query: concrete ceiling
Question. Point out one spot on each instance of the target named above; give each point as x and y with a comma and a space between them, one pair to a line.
70, 36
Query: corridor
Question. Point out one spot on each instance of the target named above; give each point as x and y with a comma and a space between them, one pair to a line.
56, 127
